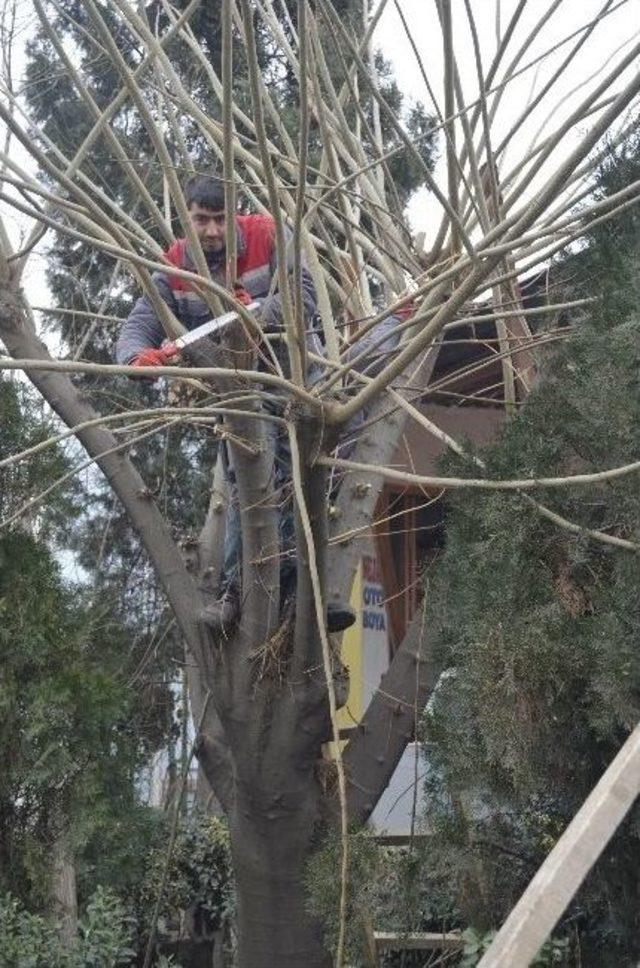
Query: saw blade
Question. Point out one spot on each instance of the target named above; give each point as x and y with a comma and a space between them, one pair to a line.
212, 326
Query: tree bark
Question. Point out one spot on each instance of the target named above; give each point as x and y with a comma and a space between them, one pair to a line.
268, 716
63, 893
388, 724
270, 849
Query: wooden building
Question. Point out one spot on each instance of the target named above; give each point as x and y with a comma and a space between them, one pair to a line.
483, 371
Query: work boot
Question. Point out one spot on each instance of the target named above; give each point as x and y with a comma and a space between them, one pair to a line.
340, 616
221, 616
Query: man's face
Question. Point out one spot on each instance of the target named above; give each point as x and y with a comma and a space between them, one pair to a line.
209, 226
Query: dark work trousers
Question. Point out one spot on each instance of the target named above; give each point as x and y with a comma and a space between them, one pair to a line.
281, 493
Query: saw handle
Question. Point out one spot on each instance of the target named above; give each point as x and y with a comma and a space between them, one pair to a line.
168, 351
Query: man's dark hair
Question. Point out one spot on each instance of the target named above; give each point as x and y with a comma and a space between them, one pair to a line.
205, 190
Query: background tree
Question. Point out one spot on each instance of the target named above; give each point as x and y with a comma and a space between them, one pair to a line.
74, 735
538, 629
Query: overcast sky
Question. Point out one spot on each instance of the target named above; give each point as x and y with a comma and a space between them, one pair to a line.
609, 42
611, 39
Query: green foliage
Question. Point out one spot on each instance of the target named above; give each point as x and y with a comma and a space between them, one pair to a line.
200, 879
387, 888
105, 933
538, 628
199, 892
27, 940
24, 425
608, 266
31, 941
475, 945
553, 952
67, 748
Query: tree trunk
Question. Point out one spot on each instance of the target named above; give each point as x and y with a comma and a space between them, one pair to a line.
64, 895
270, 849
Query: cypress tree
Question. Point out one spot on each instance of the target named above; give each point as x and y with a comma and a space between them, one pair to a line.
538, 627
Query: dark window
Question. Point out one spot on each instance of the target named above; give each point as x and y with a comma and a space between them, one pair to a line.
409, 536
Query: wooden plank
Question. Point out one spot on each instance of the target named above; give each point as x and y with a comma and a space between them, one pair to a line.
400, 840
370, 946
537, 912
418, 941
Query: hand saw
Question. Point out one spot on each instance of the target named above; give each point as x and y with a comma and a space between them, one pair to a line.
169, 350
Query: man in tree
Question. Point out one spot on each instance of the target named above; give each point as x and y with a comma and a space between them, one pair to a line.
142, 336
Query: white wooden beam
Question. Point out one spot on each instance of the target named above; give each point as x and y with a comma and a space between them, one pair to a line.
541, 906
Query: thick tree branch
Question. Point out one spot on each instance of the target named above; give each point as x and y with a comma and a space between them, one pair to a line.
373, 753
359, 493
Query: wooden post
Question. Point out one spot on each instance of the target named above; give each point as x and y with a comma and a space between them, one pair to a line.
370, 946
537, 912
418, 941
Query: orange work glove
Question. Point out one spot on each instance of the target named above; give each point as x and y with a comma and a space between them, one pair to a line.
242, 295
153, 357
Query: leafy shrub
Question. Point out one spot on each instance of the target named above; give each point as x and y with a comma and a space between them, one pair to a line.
31, 941
388, 888
105, 933
27, 940
200, 880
